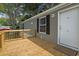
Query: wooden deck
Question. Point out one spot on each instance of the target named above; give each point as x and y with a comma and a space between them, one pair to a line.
29, 47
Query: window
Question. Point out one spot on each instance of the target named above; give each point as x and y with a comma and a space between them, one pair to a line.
42, 25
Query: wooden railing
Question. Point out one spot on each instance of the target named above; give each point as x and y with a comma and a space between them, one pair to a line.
10, 34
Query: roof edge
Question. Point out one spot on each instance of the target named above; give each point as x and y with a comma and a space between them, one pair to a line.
49, 11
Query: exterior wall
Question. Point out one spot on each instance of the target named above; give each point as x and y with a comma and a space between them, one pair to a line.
52, 37
53, 27
32, 24
21, 26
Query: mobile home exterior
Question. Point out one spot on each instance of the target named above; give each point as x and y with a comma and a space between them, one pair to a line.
58, 25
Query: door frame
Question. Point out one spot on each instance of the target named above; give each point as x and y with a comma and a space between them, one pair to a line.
59, 28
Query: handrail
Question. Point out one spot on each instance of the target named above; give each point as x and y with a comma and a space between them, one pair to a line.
2, 37
15, 30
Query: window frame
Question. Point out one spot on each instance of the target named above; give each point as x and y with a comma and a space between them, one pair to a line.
42, 24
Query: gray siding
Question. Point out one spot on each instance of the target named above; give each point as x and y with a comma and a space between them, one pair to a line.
53, 27
31, 24
52, 37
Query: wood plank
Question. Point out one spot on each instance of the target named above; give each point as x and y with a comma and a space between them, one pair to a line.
29, 47
15, 30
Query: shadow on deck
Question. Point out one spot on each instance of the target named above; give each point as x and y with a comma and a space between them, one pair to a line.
50, 47
54, 49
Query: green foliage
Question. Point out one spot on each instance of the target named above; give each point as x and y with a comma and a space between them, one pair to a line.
21, 11
2, 7
2, 21
25, 17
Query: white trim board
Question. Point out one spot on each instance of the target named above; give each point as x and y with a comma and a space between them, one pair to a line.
40, 24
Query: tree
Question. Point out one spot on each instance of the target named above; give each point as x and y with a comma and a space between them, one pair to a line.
35, 8
19, 12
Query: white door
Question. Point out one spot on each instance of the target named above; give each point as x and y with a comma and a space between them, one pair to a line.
68, 28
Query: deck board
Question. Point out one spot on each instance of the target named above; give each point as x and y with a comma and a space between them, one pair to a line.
28, 47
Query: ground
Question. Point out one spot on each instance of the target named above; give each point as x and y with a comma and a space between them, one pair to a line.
28, 47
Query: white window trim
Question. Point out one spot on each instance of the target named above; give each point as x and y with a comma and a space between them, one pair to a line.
40, 25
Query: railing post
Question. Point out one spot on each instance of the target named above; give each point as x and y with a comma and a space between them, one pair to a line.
1, 40
22, 34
